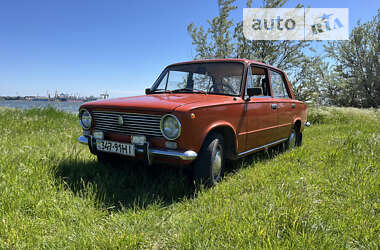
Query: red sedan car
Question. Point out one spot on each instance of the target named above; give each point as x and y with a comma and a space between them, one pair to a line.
198, 113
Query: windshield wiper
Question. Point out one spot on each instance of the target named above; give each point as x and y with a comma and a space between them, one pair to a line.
160, 91
189, 90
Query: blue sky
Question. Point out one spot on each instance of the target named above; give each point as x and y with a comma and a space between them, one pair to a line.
87, 47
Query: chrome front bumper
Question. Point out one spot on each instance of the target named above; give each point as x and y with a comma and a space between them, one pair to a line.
83, 139
182, 155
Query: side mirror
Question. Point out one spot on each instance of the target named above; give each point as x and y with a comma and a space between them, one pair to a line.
255, 91
147, 91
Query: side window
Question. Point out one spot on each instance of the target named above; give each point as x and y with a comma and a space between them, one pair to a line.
231, 84
278, 85
257, 78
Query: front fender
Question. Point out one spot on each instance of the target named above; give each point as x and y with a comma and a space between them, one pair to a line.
302, 123
219, 125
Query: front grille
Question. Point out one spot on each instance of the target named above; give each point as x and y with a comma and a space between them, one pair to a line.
133, 123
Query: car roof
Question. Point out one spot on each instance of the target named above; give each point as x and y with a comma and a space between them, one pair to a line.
241, 60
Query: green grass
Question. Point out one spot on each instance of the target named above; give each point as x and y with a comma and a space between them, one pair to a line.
326, 194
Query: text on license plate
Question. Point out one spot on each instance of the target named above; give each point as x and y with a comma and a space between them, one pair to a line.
116, 147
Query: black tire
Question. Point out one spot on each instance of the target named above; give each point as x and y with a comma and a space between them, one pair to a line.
209, 167
299, 139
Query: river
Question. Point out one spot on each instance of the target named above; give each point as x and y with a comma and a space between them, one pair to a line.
71, 107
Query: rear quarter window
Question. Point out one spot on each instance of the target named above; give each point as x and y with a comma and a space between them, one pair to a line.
279, 87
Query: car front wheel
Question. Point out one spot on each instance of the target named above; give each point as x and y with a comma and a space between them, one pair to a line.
210, 163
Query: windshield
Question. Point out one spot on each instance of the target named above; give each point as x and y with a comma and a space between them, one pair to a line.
214, 77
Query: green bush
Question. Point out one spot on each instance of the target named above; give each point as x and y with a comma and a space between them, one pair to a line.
326, 115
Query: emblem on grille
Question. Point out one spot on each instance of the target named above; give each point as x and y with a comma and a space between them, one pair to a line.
120, 120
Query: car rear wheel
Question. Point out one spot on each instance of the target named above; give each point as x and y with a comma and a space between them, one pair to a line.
294, 140
209, 166
299, 139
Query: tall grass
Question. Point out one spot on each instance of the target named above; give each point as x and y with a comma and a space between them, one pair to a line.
326, 194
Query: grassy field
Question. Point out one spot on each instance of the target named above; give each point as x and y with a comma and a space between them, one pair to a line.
326, 194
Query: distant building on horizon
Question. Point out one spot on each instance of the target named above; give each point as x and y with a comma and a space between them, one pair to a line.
105, 95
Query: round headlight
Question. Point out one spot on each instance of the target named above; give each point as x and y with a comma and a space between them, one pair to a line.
170, 127
85, 119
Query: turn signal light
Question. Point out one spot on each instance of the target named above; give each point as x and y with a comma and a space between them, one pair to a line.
99, 135
171, 144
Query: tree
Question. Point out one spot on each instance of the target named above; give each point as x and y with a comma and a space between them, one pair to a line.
217, 42
310, 78
224, 39
358, 64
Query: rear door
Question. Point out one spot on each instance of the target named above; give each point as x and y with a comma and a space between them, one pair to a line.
261, 117
285, 106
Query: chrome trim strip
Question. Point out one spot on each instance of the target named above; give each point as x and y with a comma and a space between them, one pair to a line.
125, 113
262, 147
187, 155
114, 118
267, 128
83, 140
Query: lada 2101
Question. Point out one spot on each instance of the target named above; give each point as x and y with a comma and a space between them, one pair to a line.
198, 113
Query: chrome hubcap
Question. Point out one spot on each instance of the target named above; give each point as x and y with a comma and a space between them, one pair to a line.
217, 163
292, 140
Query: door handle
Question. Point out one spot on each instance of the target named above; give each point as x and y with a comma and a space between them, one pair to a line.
293, 106
274, 106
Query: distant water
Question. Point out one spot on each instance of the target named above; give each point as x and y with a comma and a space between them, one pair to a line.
71, 107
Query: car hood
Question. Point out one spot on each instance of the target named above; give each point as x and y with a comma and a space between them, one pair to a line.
153, 102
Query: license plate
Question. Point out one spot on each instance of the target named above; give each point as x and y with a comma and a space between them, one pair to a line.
116, 147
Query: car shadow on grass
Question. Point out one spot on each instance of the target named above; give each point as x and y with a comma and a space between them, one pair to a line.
127, 185
134, 185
